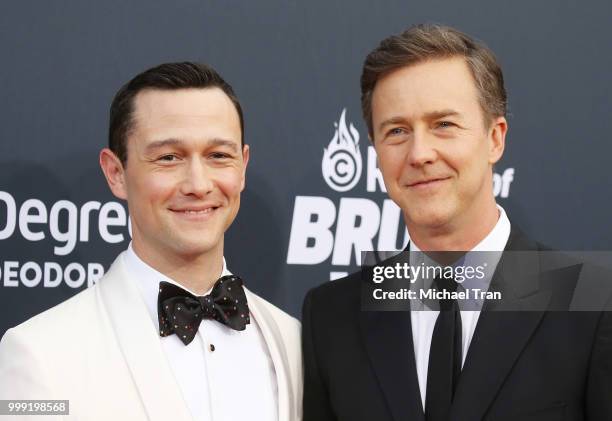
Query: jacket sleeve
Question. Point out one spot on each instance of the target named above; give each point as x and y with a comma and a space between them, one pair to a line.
316, 403
22, 373
599, 383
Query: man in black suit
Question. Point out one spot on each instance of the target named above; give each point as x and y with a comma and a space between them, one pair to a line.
435, 103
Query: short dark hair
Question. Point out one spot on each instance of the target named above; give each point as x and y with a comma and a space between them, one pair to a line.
432, 41
166, 76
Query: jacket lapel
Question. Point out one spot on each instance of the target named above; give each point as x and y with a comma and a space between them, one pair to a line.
140, 345
388, 341
273, 338
501, 334
498, 340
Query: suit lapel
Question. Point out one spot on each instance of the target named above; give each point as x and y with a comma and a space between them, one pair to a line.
501, 334
388, 341
498, 340
273, 338
140, 345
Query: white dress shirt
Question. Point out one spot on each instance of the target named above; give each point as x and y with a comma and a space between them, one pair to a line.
423, 322
224, 374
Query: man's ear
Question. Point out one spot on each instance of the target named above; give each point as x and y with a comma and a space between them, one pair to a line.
246, 153
114, 172
497, 139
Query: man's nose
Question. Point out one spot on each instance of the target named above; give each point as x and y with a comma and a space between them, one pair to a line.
421, 150
197, 179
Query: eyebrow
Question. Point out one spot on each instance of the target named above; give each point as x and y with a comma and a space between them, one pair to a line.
431, 115
157, 144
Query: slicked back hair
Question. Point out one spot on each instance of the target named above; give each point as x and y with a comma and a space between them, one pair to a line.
168, 77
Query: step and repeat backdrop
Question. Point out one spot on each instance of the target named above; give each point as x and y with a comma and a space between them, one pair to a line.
314, 197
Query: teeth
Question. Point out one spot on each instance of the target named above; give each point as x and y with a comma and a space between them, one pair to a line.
191, 212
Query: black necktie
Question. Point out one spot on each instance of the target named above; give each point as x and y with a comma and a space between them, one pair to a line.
444, 357
181, 312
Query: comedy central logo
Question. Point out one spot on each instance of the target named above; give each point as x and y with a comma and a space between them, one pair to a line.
341, 164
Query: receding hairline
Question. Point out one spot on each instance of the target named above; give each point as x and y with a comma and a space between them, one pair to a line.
135, 100
165, 76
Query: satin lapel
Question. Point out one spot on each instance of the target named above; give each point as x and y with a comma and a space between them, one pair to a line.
498, 340
500, 334
141, 347
388, 341
273, 338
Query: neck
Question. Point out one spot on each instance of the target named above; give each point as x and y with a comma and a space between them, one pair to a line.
460, 235
197, 273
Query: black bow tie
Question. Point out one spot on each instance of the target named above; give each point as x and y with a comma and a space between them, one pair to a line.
181, 312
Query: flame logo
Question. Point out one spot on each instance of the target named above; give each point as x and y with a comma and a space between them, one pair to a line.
341, 163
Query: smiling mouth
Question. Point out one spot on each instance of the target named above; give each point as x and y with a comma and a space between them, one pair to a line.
426, 183
195, 212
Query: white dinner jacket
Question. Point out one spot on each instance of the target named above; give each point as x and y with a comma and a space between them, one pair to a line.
100, 351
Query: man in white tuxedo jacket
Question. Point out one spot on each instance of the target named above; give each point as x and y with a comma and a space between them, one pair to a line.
169, 333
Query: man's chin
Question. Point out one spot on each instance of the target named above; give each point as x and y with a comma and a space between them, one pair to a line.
194, 248
428, 219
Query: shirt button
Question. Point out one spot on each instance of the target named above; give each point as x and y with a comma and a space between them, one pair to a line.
212, 348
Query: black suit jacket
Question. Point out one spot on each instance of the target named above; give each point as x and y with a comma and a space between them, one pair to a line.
530, 365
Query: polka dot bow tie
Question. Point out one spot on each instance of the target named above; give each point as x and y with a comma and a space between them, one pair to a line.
181, 312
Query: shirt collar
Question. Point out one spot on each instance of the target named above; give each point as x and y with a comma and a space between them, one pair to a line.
148, 279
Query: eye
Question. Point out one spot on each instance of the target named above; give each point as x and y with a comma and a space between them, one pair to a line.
219, 155
168, 158
445, 125
396, 131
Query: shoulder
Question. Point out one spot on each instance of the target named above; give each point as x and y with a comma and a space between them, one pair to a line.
83, 312
576, 279
35, 351
349, 286
340, 298
59, 319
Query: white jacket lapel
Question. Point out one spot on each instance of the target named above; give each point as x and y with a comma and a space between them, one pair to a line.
141, 347
274, 341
